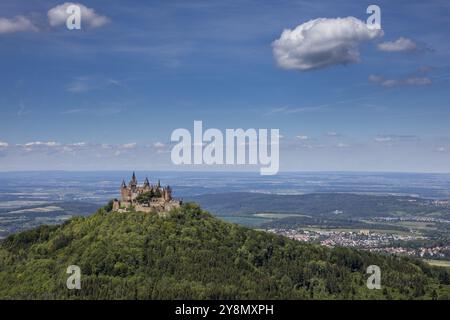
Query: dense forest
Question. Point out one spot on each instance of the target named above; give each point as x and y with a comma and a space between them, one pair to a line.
189, 254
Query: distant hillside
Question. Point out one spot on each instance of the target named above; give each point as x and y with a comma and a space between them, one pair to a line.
327, 204
189, 254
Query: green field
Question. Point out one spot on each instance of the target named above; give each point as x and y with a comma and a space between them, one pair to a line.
438, 263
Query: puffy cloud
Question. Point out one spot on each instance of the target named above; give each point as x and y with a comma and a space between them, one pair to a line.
400, 45
16, 24
410, 81
58, 15
303, 138
3, 144
322, 42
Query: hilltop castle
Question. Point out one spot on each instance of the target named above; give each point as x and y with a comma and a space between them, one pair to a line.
145, 198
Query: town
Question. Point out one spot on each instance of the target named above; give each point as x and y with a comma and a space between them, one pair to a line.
367, 240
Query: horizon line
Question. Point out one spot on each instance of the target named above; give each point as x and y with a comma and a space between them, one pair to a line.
227, 171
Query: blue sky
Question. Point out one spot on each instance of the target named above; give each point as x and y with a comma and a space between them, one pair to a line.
109, 96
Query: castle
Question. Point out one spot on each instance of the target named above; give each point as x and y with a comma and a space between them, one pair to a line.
145, 198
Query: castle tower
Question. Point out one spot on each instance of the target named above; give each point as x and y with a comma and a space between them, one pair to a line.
133, 183
124, 193
167, 193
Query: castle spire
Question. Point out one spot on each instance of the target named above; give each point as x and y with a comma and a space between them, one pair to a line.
146, 182
124, 184
133, 182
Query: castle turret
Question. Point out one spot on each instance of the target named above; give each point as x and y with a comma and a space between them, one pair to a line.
124, 192
133, 182
167, 193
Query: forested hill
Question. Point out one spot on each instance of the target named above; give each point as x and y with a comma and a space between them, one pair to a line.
189, 254
325, 204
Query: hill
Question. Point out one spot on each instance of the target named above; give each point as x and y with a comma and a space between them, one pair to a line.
189, 254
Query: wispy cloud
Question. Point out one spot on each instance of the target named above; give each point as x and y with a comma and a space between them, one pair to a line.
42, 143
16, 24
409, 81
96, 111
400, 45
159, 145
333, 134
395, 137
89, 83
342, 145
130, 145
290, 110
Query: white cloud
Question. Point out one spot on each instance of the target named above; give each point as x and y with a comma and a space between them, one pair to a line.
58, 16
395, 137
440, 149
78, 144
159, 145
400, 45
41, 143
383, 139
129, 145
16, 24
342, 145
302, 137
410, 81
321, 43
3, 144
